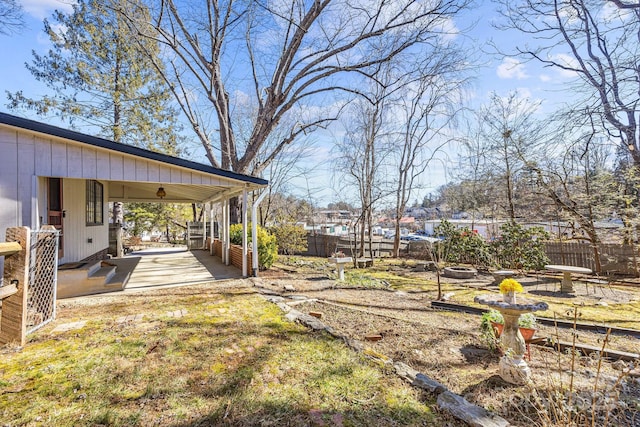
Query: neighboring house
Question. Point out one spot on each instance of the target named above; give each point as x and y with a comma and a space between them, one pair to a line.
54, 176
325, 228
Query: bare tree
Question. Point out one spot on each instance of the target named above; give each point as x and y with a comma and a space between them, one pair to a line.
290, 59
573, 173
510, 132
424, 109
360, 160
600, 44
11, 17
625, 5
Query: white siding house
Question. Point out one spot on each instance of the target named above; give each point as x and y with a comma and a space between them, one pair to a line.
50, 175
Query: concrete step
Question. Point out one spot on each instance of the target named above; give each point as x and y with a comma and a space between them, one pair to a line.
77, 281
103, 274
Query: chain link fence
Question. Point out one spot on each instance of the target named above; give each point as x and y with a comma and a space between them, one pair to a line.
43, 276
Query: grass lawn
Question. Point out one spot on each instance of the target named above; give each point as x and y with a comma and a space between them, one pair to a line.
228, 358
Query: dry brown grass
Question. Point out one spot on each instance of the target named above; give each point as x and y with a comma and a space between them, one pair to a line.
448, 346
231, 359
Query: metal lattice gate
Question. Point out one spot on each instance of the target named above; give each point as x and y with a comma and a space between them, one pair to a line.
43, 277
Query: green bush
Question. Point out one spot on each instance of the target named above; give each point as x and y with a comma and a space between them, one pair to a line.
267, 244
521, 248
292, 239
461, 245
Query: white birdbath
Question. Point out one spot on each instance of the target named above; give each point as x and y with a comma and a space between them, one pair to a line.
567, 285
340, 262
512, 368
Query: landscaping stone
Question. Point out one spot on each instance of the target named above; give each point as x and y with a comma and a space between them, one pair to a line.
289, 288
132, 318
471, 414
298, 297
419, 380
458, 272
69, 326
177, 313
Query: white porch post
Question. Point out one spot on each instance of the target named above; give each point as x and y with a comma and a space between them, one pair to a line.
245, 248
204, 227
225, 239
210, 209
254, 232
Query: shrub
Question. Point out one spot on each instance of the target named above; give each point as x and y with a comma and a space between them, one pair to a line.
292, 239
267, 244
461, 245
521, 248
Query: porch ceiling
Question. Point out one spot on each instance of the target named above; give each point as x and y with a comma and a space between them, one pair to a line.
127, 191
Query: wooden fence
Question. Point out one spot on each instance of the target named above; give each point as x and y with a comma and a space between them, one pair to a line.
614, 258
324, 245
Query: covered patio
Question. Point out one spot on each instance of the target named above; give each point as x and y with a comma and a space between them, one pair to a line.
64, 179
172, 266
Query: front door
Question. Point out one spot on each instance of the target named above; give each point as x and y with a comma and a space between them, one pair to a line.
55, 213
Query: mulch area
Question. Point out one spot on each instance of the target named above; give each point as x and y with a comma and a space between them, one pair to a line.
448, 346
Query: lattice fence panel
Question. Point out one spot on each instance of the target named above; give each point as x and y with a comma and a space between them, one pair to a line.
43, 276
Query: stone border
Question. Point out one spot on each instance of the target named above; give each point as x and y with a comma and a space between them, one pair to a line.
448, 401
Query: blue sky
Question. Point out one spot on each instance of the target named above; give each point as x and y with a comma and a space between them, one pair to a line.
501, 75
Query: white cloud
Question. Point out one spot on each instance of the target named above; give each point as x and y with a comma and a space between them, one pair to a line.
511, 68
524, 93
41, 9
545, 78
611, 13
567, 61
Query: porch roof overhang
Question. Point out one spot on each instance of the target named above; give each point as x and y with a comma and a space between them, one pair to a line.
128, 191
134, 174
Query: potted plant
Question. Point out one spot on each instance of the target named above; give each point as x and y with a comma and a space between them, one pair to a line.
492, 324
508, 288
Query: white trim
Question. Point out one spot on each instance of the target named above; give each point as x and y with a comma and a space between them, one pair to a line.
245, 246
254, 232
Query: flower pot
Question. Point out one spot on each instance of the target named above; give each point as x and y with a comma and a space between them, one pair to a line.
527, 333
497, 329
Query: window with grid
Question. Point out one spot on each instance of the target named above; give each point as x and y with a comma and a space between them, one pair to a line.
94, 203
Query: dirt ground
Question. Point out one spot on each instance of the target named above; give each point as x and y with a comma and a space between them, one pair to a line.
448, 347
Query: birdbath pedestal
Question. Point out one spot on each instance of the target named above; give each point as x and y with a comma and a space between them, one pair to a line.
566, 286
340, 262
512, 368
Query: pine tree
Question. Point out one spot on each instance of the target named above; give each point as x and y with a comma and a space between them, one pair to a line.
99, 77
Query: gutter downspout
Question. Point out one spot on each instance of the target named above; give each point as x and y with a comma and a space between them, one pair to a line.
254, 232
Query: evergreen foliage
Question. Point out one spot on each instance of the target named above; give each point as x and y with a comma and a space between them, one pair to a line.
100, 77
291, 238
521, 248
463, 245
267, 244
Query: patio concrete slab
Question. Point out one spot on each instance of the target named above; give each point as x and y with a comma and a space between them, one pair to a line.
175, 266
